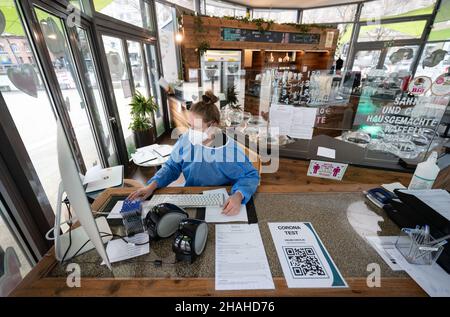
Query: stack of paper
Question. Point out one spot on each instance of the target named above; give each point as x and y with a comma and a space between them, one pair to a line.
432, 278
381, 244
241, 261
437, 199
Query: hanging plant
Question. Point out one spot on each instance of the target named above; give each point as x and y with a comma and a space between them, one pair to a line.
260, 22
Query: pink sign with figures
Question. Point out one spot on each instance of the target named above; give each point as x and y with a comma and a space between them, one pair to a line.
324, 169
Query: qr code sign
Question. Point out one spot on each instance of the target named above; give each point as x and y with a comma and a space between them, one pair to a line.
304, 262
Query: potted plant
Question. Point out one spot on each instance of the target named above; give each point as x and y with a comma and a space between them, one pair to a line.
235, 113
142, 120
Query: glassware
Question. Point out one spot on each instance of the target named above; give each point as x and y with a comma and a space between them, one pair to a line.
418, 246
357, 137
247, 116
235, 116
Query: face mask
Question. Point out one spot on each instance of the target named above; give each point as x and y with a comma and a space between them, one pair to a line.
197, 137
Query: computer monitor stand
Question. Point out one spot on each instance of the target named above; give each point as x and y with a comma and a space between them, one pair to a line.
78, 235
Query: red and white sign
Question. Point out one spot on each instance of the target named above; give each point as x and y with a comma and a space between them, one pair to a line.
331, 170
441, 85
419, 85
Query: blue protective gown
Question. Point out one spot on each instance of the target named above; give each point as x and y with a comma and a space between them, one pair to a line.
207, 166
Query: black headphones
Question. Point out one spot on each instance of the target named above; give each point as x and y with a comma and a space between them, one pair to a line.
162, 220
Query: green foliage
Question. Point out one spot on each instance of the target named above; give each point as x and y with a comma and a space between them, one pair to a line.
202, 47
231, 96
263, 25
141, 124
142, 109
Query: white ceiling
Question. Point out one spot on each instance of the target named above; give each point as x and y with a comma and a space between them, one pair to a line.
291, 3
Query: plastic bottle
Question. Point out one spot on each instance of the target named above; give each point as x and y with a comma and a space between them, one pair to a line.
425, 173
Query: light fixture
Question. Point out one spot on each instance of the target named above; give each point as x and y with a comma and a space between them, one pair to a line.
179, 37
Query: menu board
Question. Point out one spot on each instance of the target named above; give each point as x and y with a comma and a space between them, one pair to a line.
304, 38
246, 35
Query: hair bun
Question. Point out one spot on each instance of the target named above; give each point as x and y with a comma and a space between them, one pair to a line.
209, 97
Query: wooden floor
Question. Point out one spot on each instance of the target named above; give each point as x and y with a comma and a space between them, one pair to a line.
291, 177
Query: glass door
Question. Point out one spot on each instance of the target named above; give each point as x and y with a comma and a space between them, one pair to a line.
17, 262
97, 108
153, 74
59, 50
121, 82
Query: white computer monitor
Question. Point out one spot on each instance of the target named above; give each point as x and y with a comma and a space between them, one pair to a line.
72, 186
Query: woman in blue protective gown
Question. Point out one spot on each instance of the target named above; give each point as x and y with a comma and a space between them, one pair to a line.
207, 157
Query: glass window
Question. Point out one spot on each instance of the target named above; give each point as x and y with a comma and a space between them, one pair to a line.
77, 4
441, 26
189, 4
120, 78
137, 66
400, 58
135, 12
343, 44
329, 15
97, 108
64, 67
391, 31
381, 9
17, 264
279, 16
434, 60
220, 9
27, 100
366, 61
152, 66
166, 28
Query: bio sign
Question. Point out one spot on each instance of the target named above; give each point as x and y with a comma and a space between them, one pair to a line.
419, 85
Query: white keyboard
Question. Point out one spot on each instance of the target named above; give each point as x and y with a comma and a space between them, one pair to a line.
189, 200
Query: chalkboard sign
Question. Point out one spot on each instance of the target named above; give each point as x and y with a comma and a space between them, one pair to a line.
304, 38
246, 35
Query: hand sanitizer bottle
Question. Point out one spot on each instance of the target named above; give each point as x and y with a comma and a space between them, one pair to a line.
425, 173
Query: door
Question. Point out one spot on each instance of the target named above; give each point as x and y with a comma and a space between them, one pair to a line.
97, 107
76, 102
154, 75
116, 58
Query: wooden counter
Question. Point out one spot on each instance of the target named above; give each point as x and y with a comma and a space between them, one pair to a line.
40, 283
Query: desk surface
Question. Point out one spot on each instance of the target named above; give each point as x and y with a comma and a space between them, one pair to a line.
137, 277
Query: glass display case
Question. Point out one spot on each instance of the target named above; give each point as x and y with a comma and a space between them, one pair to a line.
388, 120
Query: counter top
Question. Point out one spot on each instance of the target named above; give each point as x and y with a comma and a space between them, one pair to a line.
326, 211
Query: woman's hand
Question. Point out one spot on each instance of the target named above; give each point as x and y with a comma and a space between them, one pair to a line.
142, 193
233, 204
